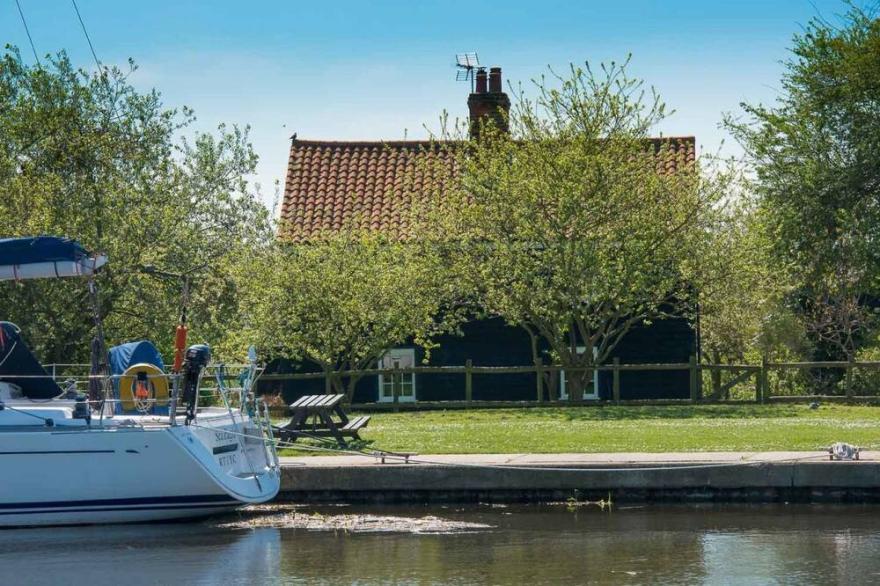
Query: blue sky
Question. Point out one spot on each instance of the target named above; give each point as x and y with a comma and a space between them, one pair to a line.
377, 70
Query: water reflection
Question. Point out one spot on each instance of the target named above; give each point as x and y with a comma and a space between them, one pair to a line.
131, 555
533, 544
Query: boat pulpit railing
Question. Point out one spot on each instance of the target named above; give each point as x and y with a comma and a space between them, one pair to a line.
196, 389
230, 384
248, 404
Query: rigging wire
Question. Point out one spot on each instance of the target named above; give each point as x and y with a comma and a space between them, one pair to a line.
86, 33
661, 468
28, 31
410, 460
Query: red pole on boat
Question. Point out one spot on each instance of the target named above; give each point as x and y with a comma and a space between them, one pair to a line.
179, 346
180, 334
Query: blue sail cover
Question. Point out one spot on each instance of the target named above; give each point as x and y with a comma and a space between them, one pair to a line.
126, 355
45, 256
20, 367
39, 249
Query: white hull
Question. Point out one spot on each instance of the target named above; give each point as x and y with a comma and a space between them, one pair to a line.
131, 471
61, 465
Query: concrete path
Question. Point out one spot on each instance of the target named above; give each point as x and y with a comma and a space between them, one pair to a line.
624, 459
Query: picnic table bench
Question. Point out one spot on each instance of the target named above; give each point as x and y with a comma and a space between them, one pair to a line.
321, 416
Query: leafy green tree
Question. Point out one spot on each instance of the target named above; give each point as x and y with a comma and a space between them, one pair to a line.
740, 289
744, 294
576, 226
342, 301
90, 157
816, 153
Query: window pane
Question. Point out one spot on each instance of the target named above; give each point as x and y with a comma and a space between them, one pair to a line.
403, 383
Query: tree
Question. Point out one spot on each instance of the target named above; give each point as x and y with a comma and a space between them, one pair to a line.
342, 301
816, 154
89, 157
576, 225
743, 295
739, 288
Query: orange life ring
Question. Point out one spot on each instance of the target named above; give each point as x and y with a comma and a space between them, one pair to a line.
132, 391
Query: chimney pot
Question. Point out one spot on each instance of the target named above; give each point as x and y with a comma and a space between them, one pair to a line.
495, 80
485, 105
481, 81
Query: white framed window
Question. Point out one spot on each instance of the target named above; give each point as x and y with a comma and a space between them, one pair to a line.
398, 358
592, 390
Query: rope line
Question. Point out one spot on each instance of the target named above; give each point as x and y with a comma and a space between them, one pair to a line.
395, 456
48, 421
408, 459
8, 354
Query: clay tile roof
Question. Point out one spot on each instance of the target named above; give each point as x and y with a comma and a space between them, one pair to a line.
330, 183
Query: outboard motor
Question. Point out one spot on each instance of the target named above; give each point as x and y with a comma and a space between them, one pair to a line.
194, 362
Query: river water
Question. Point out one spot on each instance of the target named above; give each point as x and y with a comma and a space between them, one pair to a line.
790, 544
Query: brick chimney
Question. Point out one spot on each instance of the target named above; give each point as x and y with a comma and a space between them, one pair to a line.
488, 102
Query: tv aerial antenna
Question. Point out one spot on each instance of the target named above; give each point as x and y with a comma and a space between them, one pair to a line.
466, 63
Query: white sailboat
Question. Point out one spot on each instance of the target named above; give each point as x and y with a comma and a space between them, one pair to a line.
140, 447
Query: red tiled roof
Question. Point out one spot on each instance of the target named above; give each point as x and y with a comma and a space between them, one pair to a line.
332, 183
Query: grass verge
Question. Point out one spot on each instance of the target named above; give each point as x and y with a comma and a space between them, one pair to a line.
622, 429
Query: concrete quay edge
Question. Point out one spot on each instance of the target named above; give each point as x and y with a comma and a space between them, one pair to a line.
646, 477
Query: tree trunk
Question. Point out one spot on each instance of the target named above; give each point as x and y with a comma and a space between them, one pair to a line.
350, 387
575, 385
334, 384
536, 360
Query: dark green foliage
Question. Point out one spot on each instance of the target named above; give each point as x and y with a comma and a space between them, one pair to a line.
816, 152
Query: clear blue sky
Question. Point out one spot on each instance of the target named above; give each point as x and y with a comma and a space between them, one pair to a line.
375, 69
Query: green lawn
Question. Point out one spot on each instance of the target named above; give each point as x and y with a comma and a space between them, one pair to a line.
624, 429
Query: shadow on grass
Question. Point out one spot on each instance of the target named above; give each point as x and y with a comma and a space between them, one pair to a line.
312, 447
611, 413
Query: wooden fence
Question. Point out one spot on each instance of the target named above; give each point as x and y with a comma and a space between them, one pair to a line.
755, 376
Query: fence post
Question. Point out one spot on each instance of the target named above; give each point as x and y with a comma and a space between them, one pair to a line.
849, 379
758, 376
328, 383
615, 380
539, 384
694, 387
761, 389
468, 381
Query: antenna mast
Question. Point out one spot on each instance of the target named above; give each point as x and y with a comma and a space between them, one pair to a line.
466, 63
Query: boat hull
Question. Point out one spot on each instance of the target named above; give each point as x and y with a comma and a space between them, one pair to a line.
128, 474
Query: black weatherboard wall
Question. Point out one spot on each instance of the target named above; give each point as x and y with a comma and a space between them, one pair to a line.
664, 341
491, 342
488, 342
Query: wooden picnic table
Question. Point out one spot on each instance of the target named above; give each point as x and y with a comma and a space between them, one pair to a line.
321, 416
